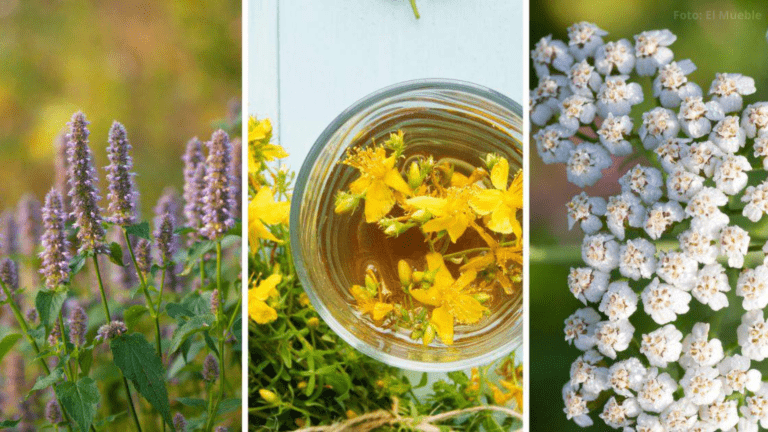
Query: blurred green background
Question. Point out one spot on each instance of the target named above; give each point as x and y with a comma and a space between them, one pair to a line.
714, 45
165, 69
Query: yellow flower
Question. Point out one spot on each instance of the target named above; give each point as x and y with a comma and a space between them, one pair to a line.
451, 213
501, 257
368, 305
264, 210
452, 303
378, 178
501, 203
258, 309
259, 148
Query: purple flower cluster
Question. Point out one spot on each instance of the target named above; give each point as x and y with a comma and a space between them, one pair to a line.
215, 301
235, 175
78, 325
61, 172
83, 186
111, 330
55, 255
9, 274
217, 214
165, 238
179, 423
9, 234
144, 255
194, 183
210, 368
53, 412
122, 195
29, 215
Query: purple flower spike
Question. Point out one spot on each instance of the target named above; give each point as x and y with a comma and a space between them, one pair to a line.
55, 255
78, 324
210, 368
10, 234
194, 183
144, 255
217, 214
221, 429
111, 330
169, 202
83, 187
122, 195
29, 216
235, 174
9, 274
179, 423
61, 172
53, 412
55, 335
165, 238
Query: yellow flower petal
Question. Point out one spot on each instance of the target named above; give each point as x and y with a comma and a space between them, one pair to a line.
394, 180
465, 279
359, 186
429, 296
380, 310
264, 207
466, 309
501, 220
457, 228
443, 321
500, 174
434, 205
266, 288
257, 230
438, 224
261, 312
486, 201
379, 200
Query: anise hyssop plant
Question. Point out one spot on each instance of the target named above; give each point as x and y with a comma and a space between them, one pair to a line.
675, 281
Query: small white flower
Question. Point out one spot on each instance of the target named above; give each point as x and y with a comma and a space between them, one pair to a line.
677, 269
753, 335
682, 185
583, 79
671, 152
579, 329
680, 416
656, 391
613, 132
711, 286
745, 425
584, 38
698, 245
696, 116
648, 423
585, 373
698, 351
546, 98
600, 251
756, 408
728, 135
671, 85
624, 209
576, 406
728, 89
731, 176
644, 181
756, 198
616, 96
737, 376
703, 157
664, 302
587, 284
704, 208
662, 346
548, 52
658, 124
651, 50
754, 119
618, 415
586, 163
734, 243
553, 145
701, 385
585, 210
637, 259
761, 148
613, 336
753, 286
661, 216
626, 375
619, 55
577, 110
721, 414
619, 302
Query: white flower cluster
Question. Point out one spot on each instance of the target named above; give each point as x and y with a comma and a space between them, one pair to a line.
660, 378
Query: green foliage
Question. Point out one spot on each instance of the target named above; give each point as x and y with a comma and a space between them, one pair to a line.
48, 304
79, 400
140, 230
7, 343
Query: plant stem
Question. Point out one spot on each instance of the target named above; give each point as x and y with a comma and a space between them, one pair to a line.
222, 336
202, 271
66, 348
109, 320
143, 281
415, 9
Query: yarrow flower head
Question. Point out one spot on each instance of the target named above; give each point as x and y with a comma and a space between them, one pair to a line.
217, 209
83, 187
55, 256
123, 195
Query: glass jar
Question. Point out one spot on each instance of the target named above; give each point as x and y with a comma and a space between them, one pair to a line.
460, 119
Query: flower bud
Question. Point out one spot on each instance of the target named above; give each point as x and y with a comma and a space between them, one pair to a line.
210, 368
482, 297
405, 272
414, 175
371, 285
268, 396
418, 276
346, 202
111, 330
313, 323
215, 301
429, 334
179, 423
491, 159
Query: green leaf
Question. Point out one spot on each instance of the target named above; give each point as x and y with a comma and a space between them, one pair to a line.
77, 262
85, 360
194, 403
48, 304
140, 230
423, 381
116, 254
197, 251
176, 310
110, 419
79, 400
47, 381
184, 230
194, 325
7, 343
9, 423
132, 315
136, 357
229, 405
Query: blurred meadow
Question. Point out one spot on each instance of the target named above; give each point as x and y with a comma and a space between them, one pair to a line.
166, 70
714, 45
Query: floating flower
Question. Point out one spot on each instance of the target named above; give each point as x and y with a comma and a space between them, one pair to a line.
503, 202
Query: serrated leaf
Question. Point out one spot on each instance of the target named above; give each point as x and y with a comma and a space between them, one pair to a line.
229, 405
48, 304
194, 325
79, 400
136, 357
116, 254
132, 315
140, 230
7, 344
110, 419
197, 251
183, 230
85, 360
77, 262
192, 402
47, 381
175, 310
